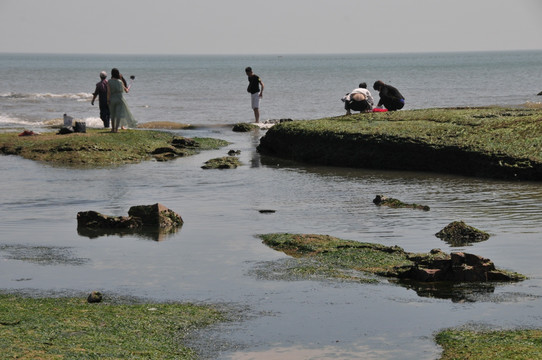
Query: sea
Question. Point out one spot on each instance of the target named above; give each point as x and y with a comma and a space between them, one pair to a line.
217, 256
212, 89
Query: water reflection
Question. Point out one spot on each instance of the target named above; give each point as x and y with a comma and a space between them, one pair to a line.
457, 292
151, 233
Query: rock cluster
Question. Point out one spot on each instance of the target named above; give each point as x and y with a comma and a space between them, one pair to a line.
141, 218
457, 267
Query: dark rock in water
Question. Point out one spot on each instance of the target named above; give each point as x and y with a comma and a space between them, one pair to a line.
226, 162
394, 203
150, 220
263, 211
156, 215
458, 233
539, 94
95, 297
234, 152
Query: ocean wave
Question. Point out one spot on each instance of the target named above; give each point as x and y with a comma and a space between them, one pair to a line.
6, 120
82, 96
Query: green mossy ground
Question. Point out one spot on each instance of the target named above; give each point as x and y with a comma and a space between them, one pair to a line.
97, 147
71, 328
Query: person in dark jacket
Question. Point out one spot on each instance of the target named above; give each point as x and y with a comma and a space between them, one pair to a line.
101, 93
390, 97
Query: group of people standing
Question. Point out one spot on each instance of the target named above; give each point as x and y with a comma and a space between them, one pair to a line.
360, 99
113, 107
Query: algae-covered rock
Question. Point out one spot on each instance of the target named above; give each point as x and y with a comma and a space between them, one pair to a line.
394, 203
244, 127
458, 233
226, 162
389, 261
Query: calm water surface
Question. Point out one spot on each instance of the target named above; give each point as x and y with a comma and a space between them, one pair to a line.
216, 256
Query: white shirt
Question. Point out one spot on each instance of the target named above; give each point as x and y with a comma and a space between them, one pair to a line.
365, 92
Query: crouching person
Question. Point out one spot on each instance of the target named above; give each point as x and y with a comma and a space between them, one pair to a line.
359, 99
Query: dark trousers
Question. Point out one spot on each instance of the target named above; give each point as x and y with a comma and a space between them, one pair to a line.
104, 115
393, 104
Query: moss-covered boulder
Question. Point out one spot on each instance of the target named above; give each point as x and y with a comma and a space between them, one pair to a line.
458, 233
225, 162
244, 127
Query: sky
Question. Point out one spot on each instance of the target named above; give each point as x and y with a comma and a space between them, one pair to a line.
268, 27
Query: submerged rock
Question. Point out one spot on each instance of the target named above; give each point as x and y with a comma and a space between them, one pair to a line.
458, 233
394, 203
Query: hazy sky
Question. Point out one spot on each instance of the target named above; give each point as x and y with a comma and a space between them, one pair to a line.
268, 27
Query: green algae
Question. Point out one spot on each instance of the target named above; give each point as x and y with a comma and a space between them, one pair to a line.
463, 344
381, 200
389, 261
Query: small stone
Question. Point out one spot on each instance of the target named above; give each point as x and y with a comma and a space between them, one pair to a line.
95, 297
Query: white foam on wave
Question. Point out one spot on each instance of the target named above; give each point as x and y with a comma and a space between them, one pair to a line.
9, 121
93, 122
82, 96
